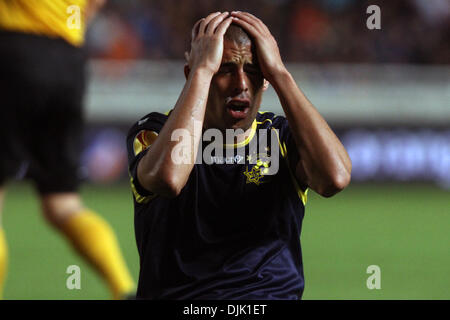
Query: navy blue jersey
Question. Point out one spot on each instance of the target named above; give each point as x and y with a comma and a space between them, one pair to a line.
233, 232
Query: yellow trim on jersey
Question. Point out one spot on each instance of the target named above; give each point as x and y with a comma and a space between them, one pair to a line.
142, 141
247, 140
261, 122
279, 143
52, 18
302, 195
139, 198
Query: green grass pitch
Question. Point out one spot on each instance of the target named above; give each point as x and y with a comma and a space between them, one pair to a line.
402, 228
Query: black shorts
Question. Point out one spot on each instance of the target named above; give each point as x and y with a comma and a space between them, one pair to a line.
42, 82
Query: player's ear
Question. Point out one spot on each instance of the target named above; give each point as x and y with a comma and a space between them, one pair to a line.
186, 66
186, 70
265, 85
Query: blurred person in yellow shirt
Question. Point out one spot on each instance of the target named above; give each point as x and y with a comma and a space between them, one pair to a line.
42, 84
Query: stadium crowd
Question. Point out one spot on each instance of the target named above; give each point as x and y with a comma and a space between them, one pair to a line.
412, 31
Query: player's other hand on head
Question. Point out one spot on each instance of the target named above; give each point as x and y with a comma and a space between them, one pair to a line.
207, 42
267, 50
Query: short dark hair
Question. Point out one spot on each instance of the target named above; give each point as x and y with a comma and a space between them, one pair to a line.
237, 34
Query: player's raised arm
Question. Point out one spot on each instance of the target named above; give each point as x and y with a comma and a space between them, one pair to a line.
157, 171
324, 163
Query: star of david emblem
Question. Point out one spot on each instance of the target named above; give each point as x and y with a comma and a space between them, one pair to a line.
256, 173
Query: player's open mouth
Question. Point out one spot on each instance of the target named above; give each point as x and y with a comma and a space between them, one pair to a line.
238, 109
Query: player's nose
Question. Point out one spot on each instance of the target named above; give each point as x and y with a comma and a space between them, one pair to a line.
240, 81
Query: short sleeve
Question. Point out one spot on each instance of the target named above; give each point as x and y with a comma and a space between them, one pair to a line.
139, 139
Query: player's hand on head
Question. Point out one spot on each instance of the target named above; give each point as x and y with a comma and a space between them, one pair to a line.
267, 50
207, 42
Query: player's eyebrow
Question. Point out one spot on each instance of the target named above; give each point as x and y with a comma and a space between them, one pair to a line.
252, 65
228, 64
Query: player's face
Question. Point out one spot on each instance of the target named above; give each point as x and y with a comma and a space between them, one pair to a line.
236, 89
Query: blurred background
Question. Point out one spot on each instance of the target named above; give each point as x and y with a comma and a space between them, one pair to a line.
386, 93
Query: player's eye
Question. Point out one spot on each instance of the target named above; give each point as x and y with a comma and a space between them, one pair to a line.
252, 70
224, 69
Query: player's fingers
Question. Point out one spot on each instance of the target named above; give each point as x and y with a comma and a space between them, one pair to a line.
195, 28
206, 21
222, 28
251, 19
258, 21
212, 25
247, 26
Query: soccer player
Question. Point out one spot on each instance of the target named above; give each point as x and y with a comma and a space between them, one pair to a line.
42, 83
224, 229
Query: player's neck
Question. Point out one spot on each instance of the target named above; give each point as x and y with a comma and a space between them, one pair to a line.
237, 136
